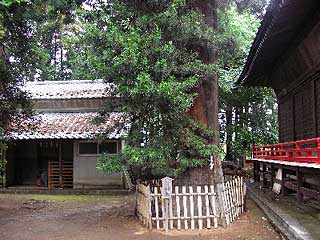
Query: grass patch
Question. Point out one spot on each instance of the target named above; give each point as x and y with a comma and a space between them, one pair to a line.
61, 198
254, 210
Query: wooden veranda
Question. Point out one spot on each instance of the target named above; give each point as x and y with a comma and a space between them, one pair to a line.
294, 161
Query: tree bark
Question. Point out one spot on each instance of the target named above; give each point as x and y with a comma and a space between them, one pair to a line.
206, 108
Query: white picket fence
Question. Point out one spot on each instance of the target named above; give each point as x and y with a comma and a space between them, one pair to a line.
188, 207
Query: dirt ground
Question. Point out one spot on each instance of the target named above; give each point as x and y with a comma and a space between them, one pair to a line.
33, 217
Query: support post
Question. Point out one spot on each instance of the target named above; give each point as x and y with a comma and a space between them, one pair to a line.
272, 173
283, 188
255, 171
4, 168
299, 185
258, 171
4, 174
264, 179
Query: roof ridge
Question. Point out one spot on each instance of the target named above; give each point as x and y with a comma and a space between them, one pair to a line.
69, 89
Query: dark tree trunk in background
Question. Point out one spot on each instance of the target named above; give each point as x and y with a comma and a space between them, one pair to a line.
236, 120
206, 108
229, 132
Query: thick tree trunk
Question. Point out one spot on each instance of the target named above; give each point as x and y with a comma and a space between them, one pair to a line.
206, 108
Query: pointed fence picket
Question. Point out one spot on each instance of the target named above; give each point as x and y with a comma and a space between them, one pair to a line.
166, 207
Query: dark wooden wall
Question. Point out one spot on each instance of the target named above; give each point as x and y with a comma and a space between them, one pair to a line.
300, 61
299, 112
296, 81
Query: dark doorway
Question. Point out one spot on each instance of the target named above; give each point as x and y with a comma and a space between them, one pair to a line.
25, 164
42, 163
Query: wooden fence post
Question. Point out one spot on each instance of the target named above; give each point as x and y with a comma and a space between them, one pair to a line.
199, 207
204, 205
156, 206
243, 189
166, 192
221, 207
192, 225
185, 209
178, 207
149, 220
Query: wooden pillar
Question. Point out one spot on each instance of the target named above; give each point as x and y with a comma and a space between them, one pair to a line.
60, 163
264, 179
272, 173
4, 174
299, 185
4, 168
283, 188
256, 171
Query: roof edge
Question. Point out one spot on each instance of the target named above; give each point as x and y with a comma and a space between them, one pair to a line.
266, 24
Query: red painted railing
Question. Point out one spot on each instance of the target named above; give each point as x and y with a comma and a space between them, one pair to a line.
307, 151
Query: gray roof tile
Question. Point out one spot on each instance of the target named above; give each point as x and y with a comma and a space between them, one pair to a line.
70, 126
68, 89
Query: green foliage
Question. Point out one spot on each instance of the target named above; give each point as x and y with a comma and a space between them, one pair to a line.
147, 54
237, 31
254, 7
8, 3
252, 112
145, 48
26, 34
31, 35
23, 53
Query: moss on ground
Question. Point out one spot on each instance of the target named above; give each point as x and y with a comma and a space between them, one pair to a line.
61, 198
255, 212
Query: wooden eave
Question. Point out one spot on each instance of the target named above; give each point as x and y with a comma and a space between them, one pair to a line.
279, 31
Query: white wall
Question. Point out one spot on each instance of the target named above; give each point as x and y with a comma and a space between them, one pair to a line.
86, 175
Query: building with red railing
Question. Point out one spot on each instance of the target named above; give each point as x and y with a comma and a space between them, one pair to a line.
286, 57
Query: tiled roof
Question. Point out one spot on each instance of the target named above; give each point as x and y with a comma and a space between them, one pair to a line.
68, 89
70, 126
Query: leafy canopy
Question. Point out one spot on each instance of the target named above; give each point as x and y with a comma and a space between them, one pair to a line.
144, 47
21, 58
247, 115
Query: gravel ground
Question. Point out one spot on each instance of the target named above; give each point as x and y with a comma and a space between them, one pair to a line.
40, 217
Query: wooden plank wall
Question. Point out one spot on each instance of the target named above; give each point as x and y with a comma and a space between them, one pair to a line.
299, 112
295, 79
303, 118
285, 119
